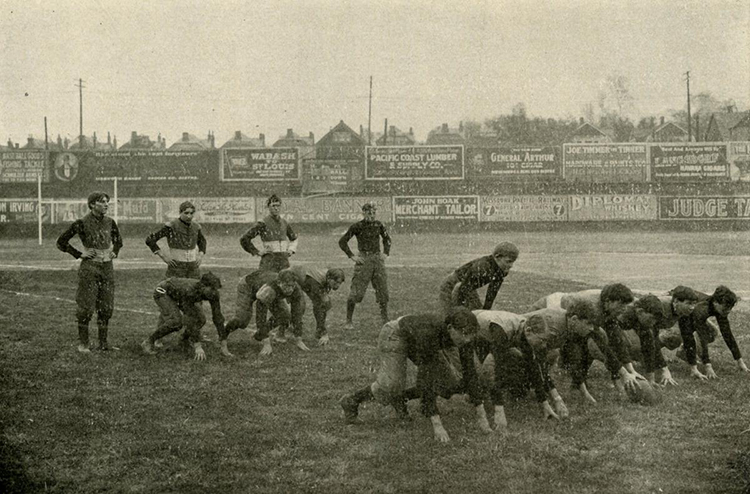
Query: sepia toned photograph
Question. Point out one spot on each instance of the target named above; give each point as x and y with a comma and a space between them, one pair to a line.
387, 247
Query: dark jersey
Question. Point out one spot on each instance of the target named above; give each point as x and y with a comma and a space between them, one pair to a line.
368, 235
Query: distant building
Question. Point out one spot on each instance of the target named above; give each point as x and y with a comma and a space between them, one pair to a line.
34, 143
144, 142
588, 133
396, 137
341, 142
189, 142
664, 132
444, 135
733, 126
240, 141
291, 140
89, 143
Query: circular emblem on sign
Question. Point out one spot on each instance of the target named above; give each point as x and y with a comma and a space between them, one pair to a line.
66, 166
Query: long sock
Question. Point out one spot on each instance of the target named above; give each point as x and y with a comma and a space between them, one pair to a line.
103, 329
83, 333
364, 394
384, 312
350, 305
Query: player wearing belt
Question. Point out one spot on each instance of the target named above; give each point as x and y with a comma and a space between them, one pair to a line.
279, 240
96, 282
317, 284
369, 263
460, 288
424, 339
179, 301
268, 291
186, 242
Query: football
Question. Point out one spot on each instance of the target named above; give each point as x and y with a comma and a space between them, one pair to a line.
643, 394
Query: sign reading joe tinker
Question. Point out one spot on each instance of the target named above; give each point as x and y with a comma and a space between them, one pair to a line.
414, 162
259, 164
436, 208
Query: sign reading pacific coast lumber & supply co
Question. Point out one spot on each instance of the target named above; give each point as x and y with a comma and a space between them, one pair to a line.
260, 164
436, 208
414, 162
704, 208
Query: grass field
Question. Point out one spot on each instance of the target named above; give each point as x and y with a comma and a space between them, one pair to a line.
126, 422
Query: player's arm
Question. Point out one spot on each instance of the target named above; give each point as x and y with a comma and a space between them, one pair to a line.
688, 343
386, 240
471, 385
202, 244
539, 381
246, 241
344, 241
491, 294
293, 238
611, 361
152, 240
63, 241
216, 316
116, 239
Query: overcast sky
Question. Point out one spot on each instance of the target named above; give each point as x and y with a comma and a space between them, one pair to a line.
258, 66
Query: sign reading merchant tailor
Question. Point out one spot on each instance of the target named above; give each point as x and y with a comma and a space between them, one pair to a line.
704, 208
414, 162
436, 208
688, 162
260, 164
525, 163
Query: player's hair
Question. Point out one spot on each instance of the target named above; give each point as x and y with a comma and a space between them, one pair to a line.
506, 249
651, 304
210, 280
336, 274
682, 293
616, 292
187, 205
96, 197
583, 310
536, 325
369, 206
724, 296
463, 320
287, 276
273, 198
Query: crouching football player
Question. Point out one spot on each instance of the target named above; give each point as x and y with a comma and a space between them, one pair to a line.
268, 291
178, 297
317, 284
426, 340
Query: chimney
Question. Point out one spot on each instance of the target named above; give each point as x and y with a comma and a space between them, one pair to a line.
361, 131
185, 137
93, 140
312, 138
114, 142
697, 127
445, 128
237, 135
66, 143
461, 126
17, 146
10, 143
411, 131
661, 121
213, 140
290, 133
581, 121
109, 138
59, 141
262, 138
392, 130
30, 142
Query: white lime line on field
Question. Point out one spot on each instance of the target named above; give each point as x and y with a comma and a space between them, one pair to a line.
67, 300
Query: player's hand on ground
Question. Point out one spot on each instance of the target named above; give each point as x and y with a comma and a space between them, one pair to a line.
548, 412
629, 381
666, 378
442, 435
358, 260
501, 423
561, 409
300, 344
742, 366
698, 374
383, 256
710, 374
323, 340
482, 422
225, 349
266, 350
200, 355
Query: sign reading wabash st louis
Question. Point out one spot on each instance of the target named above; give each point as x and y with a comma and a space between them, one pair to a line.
436, 208
260, 164
414, 162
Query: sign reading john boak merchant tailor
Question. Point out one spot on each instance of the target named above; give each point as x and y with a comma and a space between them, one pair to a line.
414, 162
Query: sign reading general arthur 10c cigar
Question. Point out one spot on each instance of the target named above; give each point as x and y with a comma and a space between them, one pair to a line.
689, 162
260, 164
414, 162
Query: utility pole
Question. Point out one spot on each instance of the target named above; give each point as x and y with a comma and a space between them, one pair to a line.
690, 118
46, 144
80, 111
369, 118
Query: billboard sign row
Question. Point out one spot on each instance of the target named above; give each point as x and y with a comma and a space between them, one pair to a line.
414, 162
611, 163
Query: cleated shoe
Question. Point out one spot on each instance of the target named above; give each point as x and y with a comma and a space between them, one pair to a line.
83, 348
349, 326
148, 348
